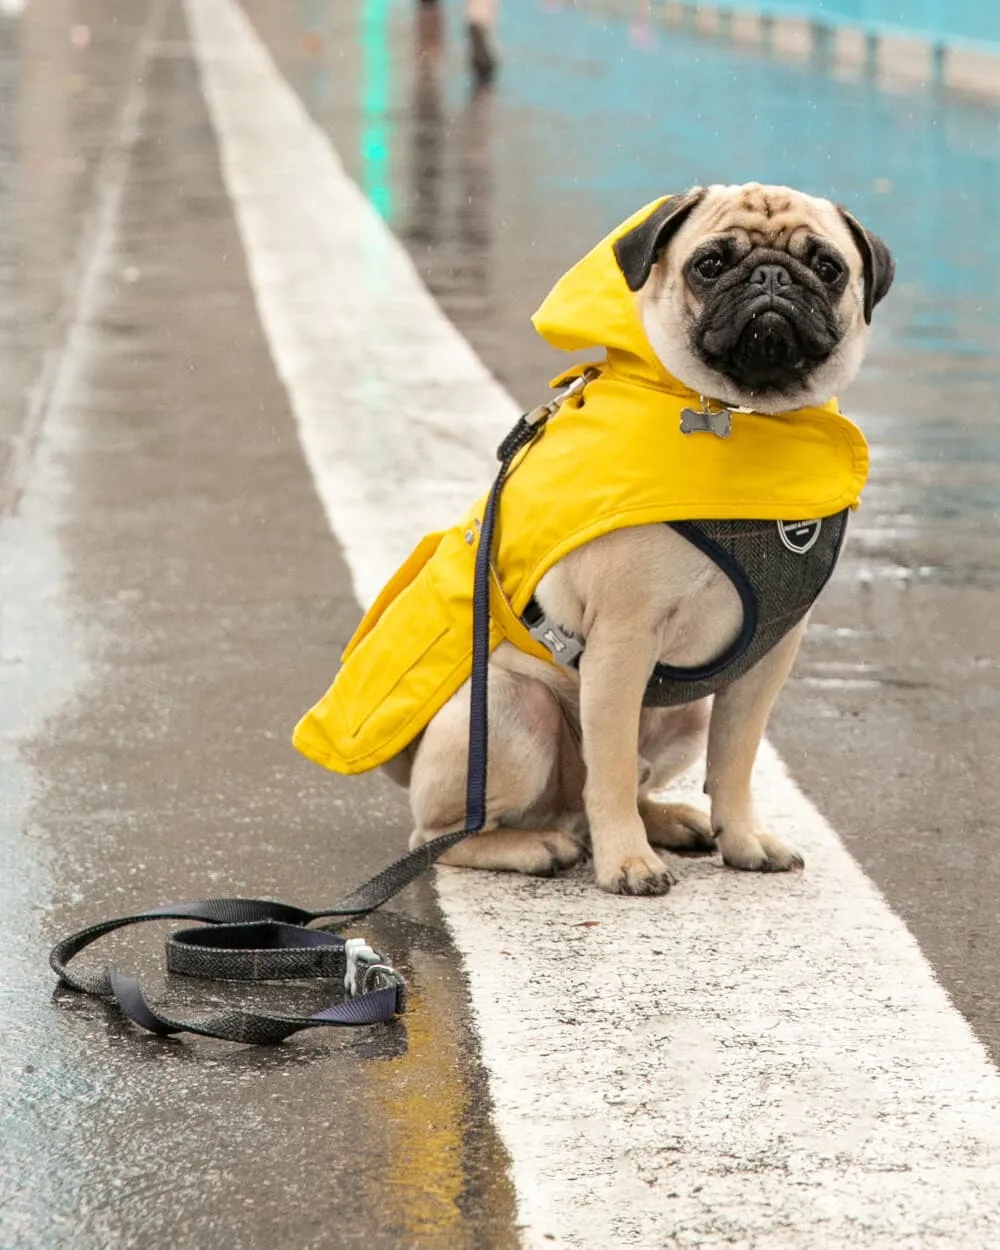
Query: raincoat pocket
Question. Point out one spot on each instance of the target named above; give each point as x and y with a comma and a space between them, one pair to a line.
403, 576
371, 671
406, 658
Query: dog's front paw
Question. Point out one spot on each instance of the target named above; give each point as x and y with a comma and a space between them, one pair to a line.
757, 853
644, 874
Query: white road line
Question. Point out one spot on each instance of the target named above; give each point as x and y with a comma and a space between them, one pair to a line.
760, 1062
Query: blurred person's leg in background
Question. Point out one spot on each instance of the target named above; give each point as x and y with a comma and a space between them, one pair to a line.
480, 16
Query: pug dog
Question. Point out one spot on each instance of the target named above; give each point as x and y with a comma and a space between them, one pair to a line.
763, 297
755, 297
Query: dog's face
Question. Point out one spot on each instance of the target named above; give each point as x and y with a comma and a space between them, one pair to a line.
757, 296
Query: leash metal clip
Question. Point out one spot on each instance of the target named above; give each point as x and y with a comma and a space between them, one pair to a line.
552, 406
366, 971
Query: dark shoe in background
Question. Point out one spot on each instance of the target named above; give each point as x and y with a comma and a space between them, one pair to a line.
482, 53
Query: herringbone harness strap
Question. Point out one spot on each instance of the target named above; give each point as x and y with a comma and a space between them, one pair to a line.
777, 568
777, 581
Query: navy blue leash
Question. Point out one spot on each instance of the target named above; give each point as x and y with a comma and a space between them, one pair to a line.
257, 939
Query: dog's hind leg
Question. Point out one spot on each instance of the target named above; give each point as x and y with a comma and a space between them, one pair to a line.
672, 739
523, 781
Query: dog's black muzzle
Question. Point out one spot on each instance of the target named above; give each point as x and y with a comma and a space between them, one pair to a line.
769, 324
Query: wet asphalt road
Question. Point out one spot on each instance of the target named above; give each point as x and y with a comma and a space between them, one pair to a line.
179, 609
168, 608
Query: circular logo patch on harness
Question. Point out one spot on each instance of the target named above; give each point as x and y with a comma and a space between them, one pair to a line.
799, 536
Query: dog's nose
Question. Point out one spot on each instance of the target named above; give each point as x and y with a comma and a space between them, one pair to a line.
771, 277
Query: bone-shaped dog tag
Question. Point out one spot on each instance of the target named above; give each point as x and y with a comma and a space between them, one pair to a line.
697, 422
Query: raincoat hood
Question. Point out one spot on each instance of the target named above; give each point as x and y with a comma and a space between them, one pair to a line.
591, 306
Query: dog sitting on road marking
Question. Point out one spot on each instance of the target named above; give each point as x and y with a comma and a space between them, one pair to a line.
660, 543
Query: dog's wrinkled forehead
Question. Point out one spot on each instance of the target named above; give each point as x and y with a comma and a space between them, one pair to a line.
760, 216
751, 216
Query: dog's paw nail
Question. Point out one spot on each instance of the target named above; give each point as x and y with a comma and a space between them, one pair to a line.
770, 856
639, 878
564, 852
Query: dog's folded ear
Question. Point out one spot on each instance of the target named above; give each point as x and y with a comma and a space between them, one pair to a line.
879, 268
636, 251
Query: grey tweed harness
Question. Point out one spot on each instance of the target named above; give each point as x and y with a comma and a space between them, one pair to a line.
778, 569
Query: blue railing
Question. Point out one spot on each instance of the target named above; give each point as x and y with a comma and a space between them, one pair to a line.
939, 21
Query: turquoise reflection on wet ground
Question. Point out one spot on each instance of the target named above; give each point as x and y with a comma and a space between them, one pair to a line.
374, 104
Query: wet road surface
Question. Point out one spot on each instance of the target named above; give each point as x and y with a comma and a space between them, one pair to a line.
167, 615
172, 599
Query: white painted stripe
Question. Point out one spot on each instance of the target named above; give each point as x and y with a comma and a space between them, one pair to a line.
357, 340
751, 1062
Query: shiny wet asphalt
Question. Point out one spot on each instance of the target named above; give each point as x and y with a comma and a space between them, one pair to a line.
169, 610
162, 631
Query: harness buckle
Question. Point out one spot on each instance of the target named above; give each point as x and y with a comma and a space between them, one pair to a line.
564, 647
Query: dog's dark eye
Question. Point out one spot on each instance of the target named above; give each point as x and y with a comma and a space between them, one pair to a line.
709, 266
827, 269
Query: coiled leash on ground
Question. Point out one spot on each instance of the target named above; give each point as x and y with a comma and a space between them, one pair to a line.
260, 940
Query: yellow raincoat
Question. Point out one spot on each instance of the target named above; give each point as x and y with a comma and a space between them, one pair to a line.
614, 458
